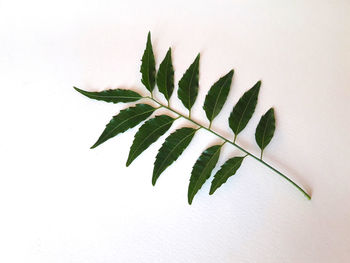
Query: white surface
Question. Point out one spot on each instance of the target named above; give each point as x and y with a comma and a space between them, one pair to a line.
61, 202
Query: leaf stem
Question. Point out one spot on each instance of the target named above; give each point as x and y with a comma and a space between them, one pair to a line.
234, 144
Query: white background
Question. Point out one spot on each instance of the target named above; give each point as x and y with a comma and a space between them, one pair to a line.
61, 202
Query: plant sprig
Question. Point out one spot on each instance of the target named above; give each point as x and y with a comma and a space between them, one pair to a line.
178, 141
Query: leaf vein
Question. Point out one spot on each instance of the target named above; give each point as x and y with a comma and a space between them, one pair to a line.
161, 165
154, 131
111, 132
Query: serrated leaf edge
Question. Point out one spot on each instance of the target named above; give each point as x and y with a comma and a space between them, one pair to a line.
101, 97
97, 144
221, 180
150, 134
192, 195
154, 172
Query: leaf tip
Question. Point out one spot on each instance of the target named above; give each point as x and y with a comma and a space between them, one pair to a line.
154, 179
154, 182
190, 197
149, 42
190, 200
77, 89
256, 87
258, 84
95, 145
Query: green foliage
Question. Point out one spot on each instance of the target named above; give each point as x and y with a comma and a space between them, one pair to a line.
148, 66
217, 95
112, 95
175, 144
165, 77
125, 120
171, 149
244, 109
188, 85
149, 132
202, 169
265, 129
228, 169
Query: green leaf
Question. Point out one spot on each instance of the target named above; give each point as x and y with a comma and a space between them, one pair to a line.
217, 95
188, 85
244, 109
265, 130
148, 66
228, 169
148, 133
112, 95
171, 149
165, 76
202, 169
125, 120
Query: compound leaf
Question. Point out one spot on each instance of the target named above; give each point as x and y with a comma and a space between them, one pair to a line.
244, 109
265, 129
125, 120
188, 85
217, 95
228, 169
165, 76
148, 66
112, 95
171, 149
148, 133
202, 169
